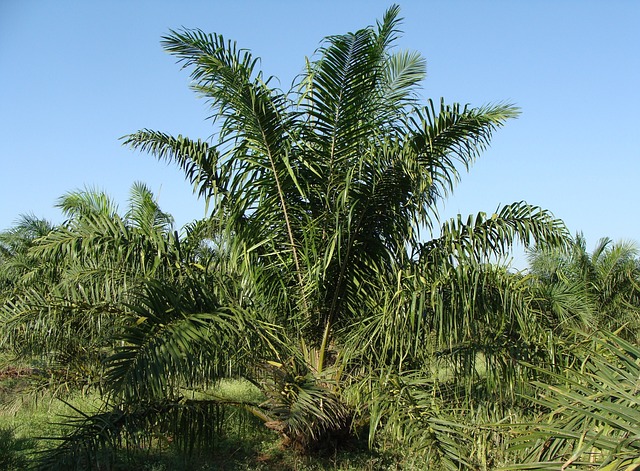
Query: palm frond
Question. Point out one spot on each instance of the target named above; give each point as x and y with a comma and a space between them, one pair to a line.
482, 237
118, 435
198, 160
302, 407
177, 337
144, 212
87, 202
451, 134
593, 411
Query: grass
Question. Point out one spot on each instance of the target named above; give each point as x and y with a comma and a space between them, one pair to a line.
26, 417
14, 451
245, 444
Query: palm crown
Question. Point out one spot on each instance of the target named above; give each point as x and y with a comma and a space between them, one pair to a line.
326, 188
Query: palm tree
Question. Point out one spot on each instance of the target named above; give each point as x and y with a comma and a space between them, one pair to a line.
605, 283
321, 193
67, 304
321, 290
15, 243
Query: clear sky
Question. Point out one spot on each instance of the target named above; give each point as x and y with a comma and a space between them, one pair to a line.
75, 76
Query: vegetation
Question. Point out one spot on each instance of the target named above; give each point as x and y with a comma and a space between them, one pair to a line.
604, 283
593, 410
320, 306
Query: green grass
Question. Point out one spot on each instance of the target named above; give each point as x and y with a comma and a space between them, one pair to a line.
27, 418
14, 451
26, 421
246, 445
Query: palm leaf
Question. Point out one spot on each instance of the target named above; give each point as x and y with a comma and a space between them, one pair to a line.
177, 337
594, 411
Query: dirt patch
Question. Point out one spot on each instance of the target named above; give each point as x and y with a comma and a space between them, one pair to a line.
12, 372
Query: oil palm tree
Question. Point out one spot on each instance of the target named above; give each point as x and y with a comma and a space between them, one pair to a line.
604, 284
321, 193
590, 402
65, 307
15, 243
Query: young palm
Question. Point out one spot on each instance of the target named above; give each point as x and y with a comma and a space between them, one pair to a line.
321, 194
67, 306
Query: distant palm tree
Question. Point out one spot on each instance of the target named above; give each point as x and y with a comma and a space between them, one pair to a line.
605, 284
15, 243
68, 301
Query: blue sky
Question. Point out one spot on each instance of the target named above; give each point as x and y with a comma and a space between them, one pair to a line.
76, 76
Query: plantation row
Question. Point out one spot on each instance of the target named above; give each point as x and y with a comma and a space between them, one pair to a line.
310, 309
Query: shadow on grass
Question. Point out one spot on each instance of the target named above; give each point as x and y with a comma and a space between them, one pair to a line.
14, 451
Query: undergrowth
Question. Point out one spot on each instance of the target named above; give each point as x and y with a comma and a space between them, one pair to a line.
31, 422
